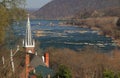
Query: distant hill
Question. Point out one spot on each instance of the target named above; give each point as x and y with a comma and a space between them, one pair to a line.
68, 8
30, 11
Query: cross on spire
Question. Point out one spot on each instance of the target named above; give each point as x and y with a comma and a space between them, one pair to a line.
28, 15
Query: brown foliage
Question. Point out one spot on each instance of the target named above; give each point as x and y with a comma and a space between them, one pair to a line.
6, 69
85, 64
106, 25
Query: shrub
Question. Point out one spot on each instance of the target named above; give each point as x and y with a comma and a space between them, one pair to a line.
63, 72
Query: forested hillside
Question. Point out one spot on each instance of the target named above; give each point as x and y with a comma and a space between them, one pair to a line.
68, 8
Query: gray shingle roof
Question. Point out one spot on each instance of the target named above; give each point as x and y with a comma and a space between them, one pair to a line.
44, 71
36, 61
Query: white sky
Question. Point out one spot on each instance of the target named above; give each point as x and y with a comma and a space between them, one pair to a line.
36, 3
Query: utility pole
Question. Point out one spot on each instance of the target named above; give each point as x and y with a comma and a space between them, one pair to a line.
3, 60
11, 58
12, 62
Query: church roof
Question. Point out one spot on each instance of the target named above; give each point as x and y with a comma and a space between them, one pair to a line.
36, 61
44, 71
40, 67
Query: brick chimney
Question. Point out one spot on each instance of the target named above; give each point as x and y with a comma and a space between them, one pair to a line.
46, 55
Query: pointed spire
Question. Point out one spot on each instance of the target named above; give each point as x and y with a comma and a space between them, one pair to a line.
28, 32
29, 42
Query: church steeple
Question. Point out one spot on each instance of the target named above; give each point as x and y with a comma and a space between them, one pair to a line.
29, 46
28, 42
28, 36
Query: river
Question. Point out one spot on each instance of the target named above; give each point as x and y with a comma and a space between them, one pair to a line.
52, 34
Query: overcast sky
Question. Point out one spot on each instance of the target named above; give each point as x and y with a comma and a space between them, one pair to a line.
36, 3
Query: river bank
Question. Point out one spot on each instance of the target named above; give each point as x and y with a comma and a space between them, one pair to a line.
105, 25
